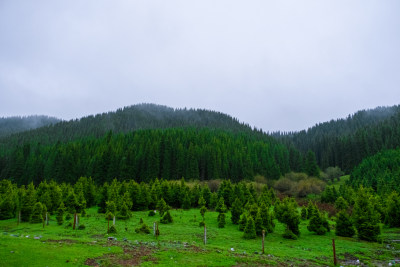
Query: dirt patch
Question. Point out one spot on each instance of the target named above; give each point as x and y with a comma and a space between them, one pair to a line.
132, 256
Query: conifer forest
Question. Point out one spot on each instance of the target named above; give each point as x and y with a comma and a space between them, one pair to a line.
152, 185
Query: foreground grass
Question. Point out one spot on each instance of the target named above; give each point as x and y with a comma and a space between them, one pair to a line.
180, 243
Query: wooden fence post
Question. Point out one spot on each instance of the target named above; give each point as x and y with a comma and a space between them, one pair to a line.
263, 238
205, 234
334, 252
157, 231
74, 221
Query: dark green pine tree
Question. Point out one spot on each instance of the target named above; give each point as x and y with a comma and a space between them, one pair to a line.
186, 203
393, 210
166, 218
311, 209
213, 201
220, 205
243, 222
221, 208
258, 222
7, 206
267, 220
221, 220
28, 201
317, 224
341, 204
103, 199
344, 224
37, 213
311, 167
162, 207
203, 209
250, 229
236, 210
111, 207
124, 213
60, 214
286, 212
71, 203
365, 217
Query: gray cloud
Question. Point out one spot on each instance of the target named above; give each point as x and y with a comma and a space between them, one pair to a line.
278, 65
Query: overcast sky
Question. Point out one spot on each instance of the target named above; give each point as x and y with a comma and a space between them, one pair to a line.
277, 65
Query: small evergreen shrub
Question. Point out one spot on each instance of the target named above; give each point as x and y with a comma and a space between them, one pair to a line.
143, 229
288, 234
112, 230
167, 218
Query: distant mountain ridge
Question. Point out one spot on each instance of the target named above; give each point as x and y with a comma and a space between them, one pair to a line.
15, 124
345, 142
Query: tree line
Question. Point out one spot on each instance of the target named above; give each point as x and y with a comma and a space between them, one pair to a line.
144, 155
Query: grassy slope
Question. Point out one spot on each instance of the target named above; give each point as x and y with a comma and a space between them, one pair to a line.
180, 243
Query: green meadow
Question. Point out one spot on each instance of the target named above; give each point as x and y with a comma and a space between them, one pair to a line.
180, 244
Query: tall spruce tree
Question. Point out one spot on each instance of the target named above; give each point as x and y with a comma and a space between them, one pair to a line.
318, 224
344, 224
250, 229
311, 166
267, 220
286, 212
28, 201
243, 222
236, 211
393, 210
366, 218
37, 213
60, 214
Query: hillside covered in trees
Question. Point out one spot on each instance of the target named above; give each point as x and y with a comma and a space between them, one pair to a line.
13, 125
136, 117
346, 142
381, 172
144, 155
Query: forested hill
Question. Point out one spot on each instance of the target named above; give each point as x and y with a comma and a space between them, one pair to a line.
141, 116
12, 125
345, 142
144, 155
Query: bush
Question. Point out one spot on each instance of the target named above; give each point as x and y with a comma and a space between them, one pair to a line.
167, 218
81, 227
318, 224
221, 220
143, 229
242, 222
250, 230
202, 223
112, 230
344, 225
152, 213
289, 235
68, 217
37, 213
